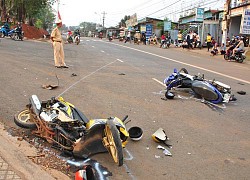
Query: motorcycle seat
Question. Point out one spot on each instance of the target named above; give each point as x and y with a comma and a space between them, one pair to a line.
36, 104
77, 114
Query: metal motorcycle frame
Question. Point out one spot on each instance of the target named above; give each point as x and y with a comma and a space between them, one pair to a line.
67, 128
210, 90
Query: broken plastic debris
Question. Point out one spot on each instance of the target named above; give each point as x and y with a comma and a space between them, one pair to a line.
189, 153
165, 151
157, 157
241, 92
49, 86
73, 74
160, 147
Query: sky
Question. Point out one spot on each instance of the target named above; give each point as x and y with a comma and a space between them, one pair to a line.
73, 12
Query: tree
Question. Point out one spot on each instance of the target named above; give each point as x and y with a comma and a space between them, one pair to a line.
33, 10
87, 26
122, 23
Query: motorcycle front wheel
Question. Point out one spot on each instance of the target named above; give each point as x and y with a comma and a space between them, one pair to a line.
226, 57
113, 142
183, 70
22, 119
2, 35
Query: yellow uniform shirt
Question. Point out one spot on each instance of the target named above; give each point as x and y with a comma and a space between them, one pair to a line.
56, 35
179, 36
209, 38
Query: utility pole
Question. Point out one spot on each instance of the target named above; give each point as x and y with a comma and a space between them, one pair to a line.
226, 21
103, 18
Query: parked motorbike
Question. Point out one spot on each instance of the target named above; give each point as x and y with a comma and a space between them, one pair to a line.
16, 33
238, 56
68, 129
4, 31
166, 44
210, 90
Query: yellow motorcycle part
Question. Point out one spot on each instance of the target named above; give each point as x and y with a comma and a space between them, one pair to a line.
69, 112
159, 135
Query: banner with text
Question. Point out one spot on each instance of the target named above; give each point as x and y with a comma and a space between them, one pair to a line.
245, 22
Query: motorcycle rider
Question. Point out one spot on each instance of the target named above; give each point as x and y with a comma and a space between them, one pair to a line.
69, 36
163, 39
76, 33
239, 47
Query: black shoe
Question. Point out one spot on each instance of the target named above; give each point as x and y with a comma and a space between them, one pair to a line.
58, 66
65, 66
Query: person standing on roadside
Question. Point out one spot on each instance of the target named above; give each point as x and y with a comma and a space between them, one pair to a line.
209, 40
57, 42
179, 37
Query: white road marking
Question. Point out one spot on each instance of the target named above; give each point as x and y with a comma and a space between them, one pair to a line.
159, 81
119, 60
187, 64
130, 157
93, 46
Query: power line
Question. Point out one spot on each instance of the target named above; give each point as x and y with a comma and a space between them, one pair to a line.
164, 7
181, 11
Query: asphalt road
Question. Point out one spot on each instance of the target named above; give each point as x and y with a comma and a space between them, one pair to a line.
118, 79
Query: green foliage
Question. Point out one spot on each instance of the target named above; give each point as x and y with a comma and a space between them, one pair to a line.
85, 27
122, 23
37, 12
39, 23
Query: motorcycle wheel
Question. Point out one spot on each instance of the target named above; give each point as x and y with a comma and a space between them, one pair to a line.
184, 70
226, 57
22, 119
2, 35
113, 142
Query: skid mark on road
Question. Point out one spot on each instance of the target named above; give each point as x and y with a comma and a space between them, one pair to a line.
129, 172
186, 64
86, 77
119, 60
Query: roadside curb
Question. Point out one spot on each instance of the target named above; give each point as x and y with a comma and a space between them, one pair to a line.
14, 161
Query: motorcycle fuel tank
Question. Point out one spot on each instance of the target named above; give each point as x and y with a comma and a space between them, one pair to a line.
205, 90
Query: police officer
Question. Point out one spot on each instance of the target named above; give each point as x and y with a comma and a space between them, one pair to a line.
57, 41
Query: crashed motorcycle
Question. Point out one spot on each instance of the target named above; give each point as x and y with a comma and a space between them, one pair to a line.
210, 90
68, 129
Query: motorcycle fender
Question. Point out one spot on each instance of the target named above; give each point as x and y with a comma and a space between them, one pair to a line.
206, 90
91, 143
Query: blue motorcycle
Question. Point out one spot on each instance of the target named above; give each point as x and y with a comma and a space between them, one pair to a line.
4, 31
16, 33
210, 90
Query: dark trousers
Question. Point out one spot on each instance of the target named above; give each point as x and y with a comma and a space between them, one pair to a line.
208, 45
